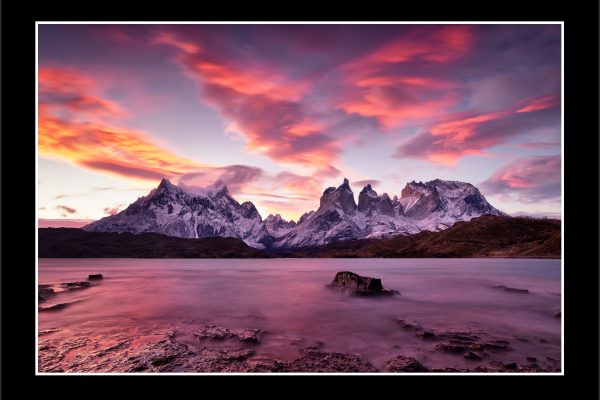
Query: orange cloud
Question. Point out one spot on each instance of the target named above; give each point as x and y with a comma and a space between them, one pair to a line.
85, 138
65, 90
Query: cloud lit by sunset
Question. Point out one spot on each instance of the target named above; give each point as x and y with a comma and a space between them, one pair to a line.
280, 112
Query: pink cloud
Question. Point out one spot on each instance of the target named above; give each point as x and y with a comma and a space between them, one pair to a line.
262, 103
440, 45
448, 141
540, 103
530, 179
111, 211
395, 98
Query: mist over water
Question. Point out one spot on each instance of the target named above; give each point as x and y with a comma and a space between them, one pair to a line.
288, 299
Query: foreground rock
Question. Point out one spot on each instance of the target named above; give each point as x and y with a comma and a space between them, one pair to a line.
404, 364
319, 361
214, 332
355, 285
210, 348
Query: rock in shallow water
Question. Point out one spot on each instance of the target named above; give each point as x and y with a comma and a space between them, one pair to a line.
355, 285
75, 285
95, 277
511, 289
214, 332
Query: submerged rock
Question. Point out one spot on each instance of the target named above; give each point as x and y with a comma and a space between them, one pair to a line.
472, 356
95, 277
404, 364
512, 290
75, 285
55, 307
44, 292
355, 285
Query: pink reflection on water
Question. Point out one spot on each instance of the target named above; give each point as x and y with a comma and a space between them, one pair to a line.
288, 299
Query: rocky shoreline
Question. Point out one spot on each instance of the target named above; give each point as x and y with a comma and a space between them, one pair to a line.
195, 346
218, 349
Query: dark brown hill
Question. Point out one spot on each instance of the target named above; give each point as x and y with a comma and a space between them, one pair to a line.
486, 236
77, 243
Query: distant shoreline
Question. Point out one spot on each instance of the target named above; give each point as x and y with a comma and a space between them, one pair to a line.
483, 237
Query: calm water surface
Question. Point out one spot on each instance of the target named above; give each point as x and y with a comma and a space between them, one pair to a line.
288, 299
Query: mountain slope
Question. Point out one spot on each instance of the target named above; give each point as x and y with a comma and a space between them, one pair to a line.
179, 212
77, 243
198, 213
485, 236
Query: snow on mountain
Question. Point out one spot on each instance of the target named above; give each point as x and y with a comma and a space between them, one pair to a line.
339, 218
195, 213
177, 211
277, 226
438, 204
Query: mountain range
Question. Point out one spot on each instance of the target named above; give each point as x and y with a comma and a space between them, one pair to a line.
199, 213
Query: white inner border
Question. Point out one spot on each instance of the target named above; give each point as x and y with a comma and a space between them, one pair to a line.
562, 167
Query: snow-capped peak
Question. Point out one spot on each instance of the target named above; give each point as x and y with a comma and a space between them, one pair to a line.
193, 212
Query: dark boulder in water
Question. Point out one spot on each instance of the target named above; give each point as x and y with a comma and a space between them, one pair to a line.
355, 285
44, 292
95, 277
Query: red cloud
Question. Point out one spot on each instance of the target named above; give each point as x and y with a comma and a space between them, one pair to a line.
539, 104
441, 45
446, 142
65, 90
261, 102
532, 179
86, 136
397, 98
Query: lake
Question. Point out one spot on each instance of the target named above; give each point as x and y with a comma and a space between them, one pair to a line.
289, 301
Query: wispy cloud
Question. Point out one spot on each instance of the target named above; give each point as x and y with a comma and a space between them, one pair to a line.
529, 180
448, 141
65, 210
365, 182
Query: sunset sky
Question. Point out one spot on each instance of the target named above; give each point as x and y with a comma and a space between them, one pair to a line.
281, 112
